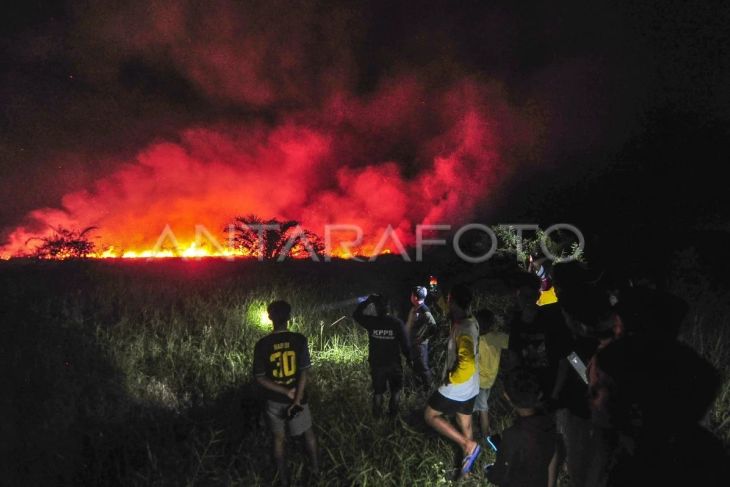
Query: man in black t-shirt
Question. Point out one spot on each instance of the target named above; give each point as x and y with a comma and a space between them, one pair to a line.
387, 339
281, 364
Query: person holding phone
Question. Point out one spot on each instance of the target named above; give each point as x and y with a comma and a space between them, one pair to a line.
281, 366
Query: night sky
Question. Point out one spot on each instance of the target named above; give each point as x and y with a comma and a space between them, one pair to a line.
608, 114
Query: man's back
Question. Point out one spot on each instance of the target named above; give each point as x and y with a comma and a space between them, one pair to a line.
386, 338
280, 357
423, 325
491, 345
462, 369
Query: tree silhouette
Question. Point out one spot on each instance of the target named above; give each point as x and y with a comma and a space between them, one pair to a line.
274, 239
64, 244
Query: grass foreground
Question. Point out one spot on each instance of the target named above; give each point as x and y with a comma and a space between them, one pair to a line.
139, 373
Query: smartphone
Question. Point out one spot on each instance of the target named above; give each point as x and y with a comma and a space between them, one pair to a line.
295, 411
578, 366
493, 441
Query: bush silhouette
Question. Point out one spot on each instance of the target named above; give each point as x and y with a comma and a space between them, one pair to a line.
65, 244
274, 239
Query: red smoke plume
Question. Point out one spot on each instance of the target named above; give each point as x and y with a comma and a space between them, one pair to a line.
410, 152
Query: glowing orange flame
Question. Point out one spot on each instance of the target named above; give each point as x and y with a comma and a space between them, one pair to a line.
316, 167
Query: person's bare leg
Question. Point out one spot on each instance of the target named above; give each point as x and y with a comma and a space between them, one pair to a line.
464, 422
553, 470
465, 425
280, 457
484, 422
436, 420
474, 426
310, 443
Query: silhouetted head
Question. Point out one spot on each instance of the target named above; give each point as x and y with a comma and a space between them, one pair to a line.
527, 287
588, 312
381, 304
459, 299
418, 294
486, 320
279, 313
522, 389
654, 314
568, 276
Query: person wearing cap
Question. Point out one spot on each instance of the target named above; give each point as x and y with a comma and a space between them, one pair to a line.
421, 325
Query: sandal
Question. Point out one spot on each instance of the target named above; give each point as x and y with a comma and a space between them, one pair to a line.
470, 459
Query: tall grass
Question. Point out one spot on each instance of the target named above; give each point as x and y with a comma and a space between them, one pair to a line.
140, 374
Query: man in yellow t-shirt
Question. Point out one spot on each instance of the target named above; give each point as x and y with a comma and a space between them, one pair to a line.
460, 382
491, 344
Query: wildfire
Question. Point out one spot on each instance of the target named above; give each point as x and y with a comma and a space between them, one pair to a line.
195, 250
192, 250
205, 246
330, 167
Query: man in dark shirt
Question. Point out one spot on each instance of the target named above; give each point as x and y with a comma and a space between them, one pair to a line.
281, 364
528, 446
538, 335
584, 308
387, 339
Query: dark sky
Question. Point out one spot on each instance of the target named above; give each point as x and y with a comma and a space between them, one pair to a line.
634, 98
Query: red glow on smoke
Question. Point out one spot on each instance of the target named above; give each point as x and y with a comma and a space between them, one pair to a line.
402, 156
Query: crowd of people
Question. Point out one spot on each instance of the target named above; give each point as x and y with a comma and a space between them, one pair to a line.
600, 385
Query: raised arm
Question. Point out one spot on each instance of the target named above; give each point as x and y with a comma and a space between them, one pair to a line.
358, 315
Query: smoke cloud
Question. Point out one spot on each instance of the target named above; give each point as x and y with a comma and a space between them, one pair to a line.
292, 114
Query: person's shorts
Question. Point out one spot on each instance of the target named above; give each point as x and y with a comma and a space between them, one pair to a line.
480, 403
277, 414
389, 375
445, 405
